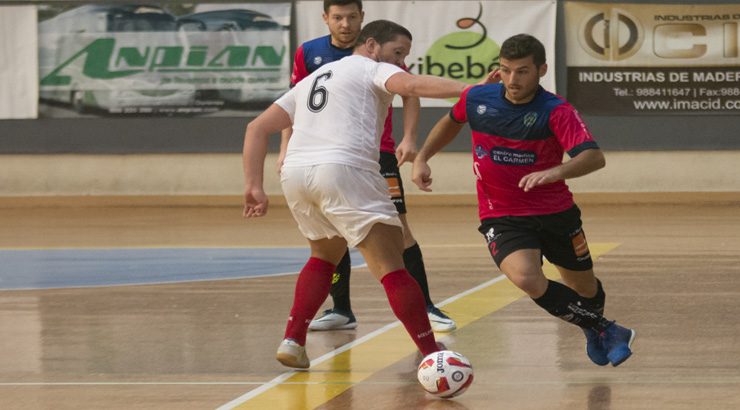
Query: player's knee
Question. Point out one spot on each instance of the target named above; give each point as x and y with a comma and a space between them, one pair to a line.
532, 285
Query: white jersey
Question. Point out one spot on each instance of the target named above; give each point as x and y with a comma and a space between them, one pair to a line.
338, 113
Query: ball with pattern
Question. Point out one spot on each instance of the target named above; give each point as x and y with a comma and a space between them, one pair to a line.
445, 374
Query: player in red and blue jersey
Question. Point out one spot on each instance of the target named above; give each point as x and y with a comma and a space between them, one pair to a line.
520, 133
344, 19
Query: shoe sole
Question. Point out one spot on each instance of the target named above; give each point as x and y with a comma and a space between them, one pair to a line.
624, 353
289, 360
348, 326
445, 329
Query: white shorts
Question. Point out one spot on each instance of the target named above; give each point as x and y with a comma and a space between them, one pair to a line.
331, 200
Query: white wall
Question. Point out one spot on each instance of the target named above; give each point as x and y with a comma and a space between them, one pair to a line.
221, 174
19, 82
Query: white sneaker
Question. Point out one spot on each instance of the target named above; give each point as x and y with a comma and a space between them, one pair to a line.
333, 320
291, 354
439, 321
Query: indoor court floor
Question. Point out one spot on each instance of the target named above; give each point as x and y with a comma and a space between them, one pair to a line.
147, 307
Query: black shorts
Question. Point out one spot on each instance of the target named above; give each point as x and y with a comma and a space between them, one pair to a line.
389, 171
559, 236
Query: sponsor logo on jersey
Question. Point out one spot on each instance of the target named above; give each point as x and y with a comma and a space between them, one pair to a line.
509, 156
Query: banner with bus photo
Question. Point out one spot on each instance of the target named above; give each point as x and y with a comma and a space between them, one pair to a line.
164, 59
453, 39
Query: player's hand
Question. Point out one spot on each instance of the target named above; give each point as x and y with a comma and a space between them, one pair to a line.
492, 78
421, 174
255, 203
535, 179
405, 152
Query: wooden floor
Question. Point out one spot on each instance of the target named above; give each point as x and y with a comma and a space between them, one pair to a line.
670, 271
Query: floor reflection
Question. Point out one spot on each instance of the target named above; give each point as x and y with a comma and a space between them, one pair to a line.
600, 398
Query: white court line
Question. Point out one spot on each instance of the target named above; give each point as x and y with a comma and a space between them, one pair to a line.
279, 379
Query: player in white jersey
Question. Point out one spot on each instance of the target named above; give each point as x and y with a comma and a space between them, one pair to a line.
331, 181
347, 103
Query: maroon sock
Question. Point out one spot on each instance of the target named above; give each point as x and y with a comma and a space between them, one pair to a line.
407, 302
311, 290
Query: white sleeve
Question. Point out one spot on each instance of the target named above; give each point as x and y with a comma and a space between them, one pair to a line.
384, 71
287, 102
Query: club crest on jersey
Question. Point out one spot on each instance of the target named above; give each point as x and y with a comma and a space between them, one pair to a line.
529, 119
317, 60
480, 152
481, 109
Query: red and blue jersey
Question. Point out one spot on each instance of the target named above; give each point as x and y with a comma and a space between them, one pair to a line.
513, 140
313, 54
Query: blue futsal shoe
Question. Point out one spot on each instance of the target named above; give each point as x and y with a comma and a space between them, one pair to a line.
594, 348
618, 342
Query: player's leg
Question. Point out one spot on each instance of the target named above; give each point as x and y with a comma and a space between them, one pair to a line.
340, 285
589, 287
340, 317
412, 256
515, 247
356, 203
381, 249
311, 290
414, 262
314, 280
515, 244
523, 268
565, 245
606, 341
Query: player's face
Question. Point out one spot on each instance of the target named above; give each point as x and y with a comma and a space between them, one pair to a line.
344, 24
521, 78
394, 52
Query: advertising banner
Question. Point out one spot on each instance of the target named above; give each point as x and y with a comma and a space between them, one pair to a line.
165, 59
629, 59
454, 39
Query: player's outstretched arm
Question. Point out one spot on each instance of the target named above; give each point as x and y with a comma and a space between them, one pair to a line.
269, 122
443, 132
429, 86
582, 164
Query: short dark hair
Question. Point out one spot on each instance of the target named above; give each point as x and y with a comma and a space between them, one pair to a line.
329, 3
382, 31
522, 46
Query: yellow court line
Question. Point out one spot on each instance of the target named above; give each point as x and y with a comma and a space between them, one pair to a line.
339, 372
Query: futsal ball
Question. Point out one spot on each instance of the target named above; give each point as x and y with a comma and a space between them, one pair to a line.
445, 374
